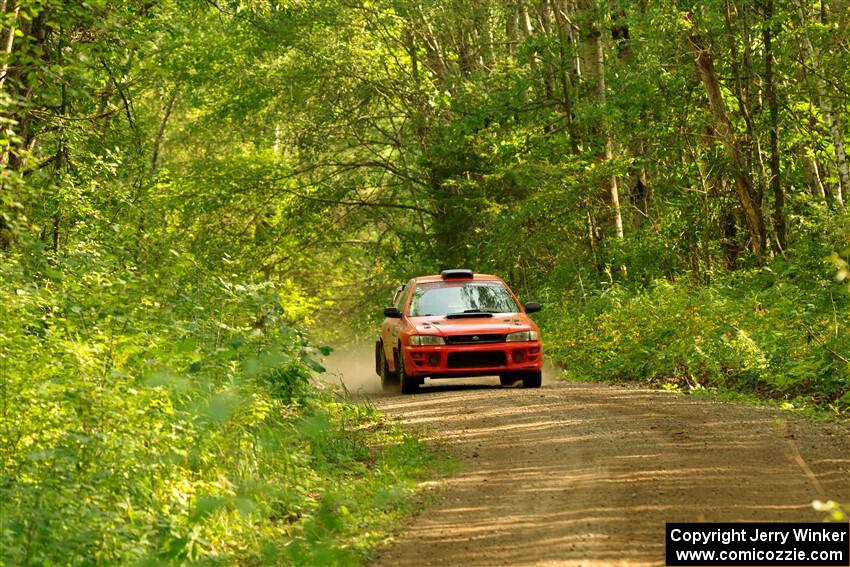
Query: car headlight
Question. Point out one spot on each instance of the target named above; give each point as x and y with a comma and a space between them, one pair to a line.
521, 337
426, 340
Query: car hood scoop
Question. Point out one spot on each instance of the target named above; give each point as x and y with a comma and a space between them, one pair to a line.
474, 315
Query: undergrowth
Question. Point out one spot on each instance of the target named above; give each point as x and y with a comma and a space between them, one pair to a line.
171, 418
777, 332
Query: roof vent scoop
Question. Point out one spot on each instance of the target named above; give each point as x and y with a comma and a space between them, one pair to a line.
456, 274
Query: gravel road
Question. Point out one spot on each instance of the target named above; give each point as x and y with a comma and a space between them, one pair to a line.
588, 474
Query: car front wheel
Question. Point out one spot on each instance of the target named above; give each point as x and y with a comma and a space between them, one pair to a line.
508, 379
532, 380
389, 380
409, 384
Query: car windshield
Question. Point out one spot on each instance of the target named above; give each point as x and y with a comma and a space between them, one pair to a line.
443, 298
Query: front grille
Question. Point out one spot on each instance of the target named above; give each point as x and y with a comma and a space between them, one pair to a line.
480, 359
474, 339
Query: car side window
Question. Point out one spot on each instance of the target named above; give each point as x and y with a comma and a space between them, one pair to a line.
401, 295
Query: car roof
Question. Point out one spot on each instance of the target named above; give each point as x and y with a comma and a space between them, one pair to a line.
475, 277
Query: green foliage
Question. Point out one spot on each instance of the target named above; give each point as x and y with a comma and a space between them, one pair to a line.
776, 331
168, 418
835, 511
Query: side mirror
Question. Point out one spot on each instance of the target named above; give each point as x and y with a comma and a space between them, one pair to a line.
392, 313
532, 307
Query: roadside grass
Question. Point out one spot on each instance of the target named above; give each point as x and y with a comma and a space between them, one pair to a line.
376, 476
799, 405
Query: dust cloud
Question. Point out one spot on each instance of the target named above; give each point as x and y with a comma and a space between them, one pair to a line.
551, 372
354, 367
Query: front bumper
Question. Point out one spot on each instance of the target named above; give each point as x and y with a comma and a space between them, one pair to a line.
447, 361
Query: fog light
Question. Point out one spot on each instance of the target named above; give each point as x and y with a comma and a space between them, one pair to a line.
433, 359
519, 356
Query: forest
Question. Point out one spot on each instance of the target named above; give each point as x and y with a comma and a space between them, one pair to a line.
197, 196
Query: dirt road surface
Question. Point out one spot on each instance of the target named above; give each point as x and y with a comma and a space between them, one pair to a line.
588, 474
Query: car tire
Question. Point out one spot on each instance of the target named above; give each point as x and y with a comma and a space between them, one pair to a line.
532, 380
379, 347
389, 379
508, 379
409, 384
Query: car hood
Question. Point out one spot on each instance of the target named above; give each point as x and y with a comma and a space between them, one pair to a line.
498, 323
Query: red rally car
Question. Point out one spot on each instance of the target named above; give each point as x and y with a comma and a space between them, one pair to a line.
457, 324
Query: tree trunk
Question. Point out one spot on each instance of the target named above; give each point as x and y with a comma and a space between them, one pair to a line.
729, 243
484, 36
7, 38
35, 32
593, 57
723, 127
160, 133
742, 72
826, 106
565, 38
512, 26
588, 45
613, 190
812, 176
527, 30
545, 12
768, 31
639, 193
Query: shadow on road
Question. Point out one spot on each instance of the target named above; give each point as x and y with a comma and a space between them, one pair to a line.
451, 385
587, 474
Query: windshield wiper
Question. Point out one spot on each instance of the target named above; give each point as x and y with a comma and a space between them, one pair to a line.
480, 311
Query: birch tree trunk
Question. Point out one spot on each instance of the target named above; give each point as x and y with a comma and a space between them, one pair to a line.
593, 47
810, 174
7, 38
826, 106
484, 36
545, 11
